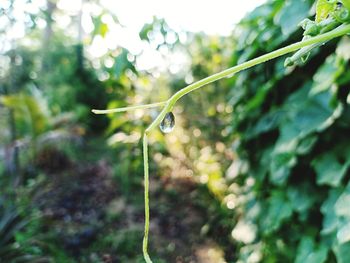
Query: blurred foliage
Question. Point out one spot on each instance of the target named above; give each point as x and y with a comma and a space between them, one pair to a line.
291, 129
258, 163
47, 91
12, 247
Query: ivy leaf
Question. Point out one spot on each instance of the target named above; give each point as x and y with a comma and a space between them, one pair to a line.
302, 197
336, 215
330, 219
342, 204
329, 170
306, 144
122, 63
146, 29
279, 209
326, 75
307, 252
292, 13
280, 167
307, 113
323, 9
343, 234
342, 253
265, 124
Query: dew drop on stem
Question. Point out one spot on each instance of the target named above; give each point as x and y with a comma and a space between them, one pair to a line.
168, 123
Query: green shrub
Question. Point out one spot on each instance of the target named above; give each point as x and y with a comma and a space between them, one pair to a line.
293, 126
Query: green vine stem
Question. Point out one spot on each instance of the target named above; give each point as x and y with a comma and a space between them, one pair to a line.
146, 106
146, 190
169, 104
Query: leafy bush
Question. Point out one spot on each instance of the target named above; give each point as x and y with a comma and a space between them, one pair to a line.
10, 224
292, 126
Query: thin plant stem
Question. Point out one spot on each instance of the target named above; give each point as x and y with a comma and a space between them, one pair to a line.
169, 104
145, 106
146, 193
337, 32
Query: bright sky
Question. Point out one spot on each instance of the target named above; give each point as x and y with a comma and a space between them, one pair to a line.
212, 17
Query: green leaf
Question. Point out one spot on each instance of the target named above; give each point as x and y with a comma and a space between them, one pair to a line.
280, 167
306, 245
304, 114
318, 256
30, 112
260, 96
343, 234
329, 170
342, 252
293, 12
342, 204
330, 219
278, 210
323, 9
146, 29
307, 113
122, 63
306, 144
265, 124
302, 197
326, 75
308, 252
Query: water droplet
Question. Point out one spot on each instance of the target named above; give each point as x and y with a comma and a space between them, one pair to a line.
168, 123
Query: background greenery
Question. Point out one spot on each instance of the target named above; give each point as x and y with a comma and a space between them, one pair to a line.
256, 169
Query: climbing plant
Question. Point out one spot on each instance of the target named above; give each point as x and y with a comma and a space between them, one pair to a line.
287, 138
